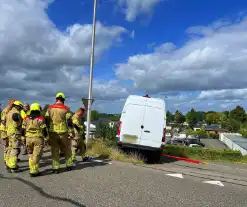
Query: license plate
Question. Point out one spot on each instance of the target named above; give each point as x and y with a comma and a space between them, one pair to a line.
130, 139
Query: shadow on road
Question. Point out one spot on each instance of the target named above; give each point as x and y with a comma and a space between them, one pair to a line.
149, 157
164, 160
46, 161
41, 192
79, 166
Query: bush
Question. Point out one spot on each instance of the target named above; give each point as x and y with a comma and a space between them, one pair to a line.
202, 153
214, 136
244, 133
107, 133
201, 133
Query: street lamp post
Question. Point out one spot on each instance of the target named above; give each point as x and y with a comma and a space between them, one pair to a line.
91, 73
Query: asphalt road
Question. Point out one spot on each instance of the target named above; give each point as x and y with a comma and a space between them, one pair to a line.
122, 184
214, 144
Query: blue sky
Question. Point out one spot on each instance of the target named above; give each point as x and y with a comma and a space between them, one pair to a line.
188, 52
168, 23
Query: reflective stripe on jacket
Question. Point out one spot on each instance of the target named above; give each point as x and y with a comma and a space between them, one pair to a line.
57, 115
12, 126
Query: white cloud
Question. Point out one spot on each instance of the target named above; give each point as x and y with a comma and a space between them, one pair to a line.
165, 48
37, 60
237, 94
212, 60
134, 8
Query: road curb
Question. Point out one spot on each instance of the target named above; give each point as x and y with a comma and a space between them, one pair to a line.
185, 159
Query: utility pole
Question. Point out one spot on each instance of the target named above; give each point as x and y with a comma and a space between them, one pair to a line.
91, 73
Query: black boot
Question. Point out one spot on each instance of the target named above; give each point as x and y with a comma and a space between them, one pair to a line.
34, 174
55, 171
14, 170
69, 168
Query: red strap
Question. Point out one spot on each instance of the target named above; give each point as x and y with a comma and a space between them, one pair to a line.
26, 118
41, 118
59, 106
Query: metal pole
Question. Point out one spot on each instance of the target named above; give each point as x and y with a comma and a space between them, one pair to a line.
91, 73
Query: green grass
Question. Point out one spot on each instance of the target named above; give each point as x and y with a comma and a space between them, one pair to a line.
206, 154
108, 151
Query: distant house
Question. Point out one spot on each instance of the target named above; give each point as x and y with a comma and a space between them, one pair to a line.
215, 129
199, 125
185, 124
168, 127
175, 129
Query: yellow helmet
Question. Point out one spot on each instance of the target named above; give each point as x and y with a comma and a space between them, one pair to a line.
18, 103
35, 107
60, 95
36, 103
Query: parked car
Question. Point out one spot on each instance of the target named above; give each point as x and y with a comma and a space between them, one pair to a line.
143, 124
194, 142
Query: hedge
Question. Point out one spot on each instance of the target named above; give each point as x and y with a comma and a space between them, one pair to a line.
214, 136
202, 153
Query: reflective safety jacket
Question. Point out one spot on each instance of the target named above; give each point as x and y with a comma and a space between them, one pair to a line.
3, 115
58, 117
34, 127
78, 123
13, 122
24, 114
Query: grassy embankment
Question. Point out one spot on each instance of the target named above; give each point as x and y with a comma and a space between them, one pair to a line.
206, 154
109, 151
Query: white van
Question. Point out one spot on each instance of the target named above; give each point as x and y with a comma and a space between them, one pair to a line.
143, 124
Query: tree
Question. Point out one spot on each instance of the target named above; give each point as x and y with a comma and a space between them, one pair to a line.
226, 113
45, 109
179, 117
169, 117
191, 118
95, 115
231, 124
200, 115
238, 114
213, 118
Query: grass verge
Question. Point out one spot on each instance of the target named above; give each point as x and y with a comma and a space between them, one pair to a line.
206, 154
108, 151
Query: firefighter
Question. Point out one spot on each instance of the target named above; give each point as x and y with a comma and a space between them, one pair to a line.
13, 128
78, 140
25, 112
71, 133
58, 117
4, 137
35, 131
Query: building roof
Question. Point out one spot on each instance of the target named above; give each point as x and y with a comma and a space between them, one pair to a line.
214, 127
237, 139
197, 126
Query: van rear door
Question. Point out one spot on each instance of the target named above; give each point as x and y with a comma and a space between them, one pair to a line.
153, 122
132, 121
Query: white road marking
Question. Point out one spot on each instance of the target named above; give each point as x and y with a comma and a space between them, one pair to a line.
177, 175
214, 182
